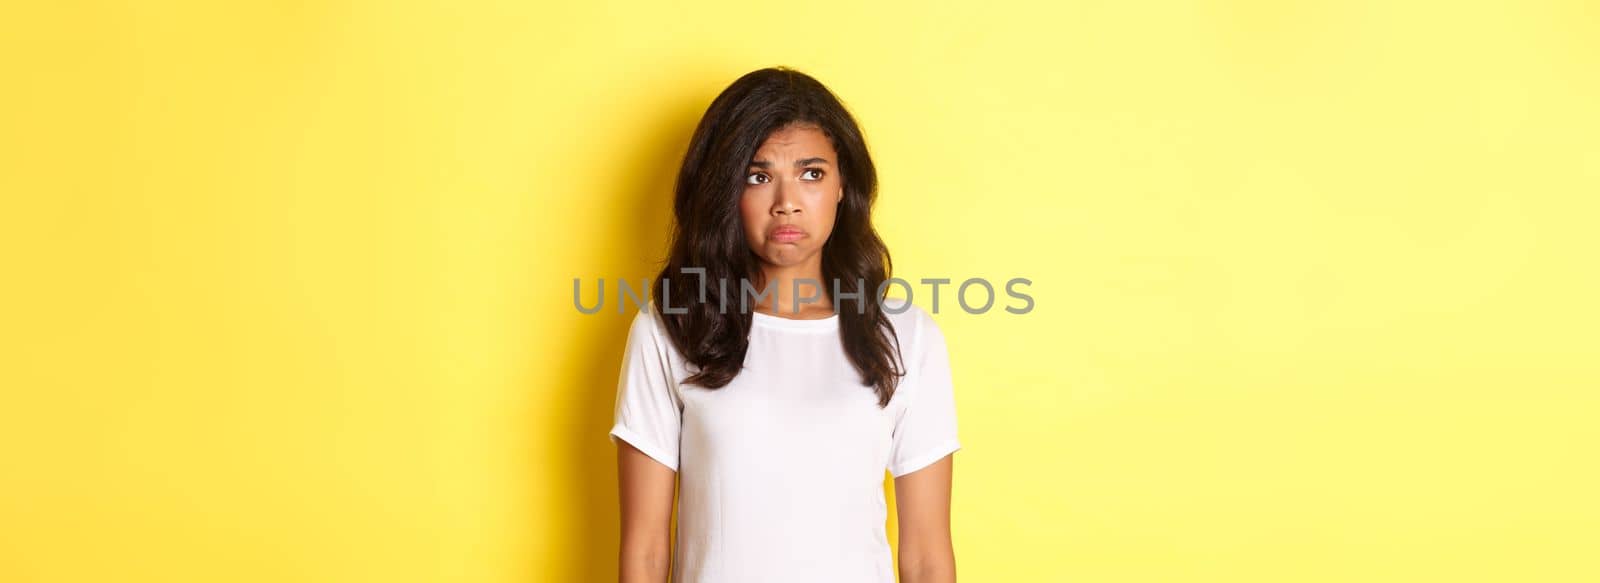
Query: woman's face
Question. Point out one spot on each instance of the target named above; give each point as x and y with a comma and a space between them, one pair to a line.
791, 194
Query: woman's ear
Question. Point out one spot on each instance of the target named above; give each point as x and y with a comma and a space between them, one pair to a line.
841, 195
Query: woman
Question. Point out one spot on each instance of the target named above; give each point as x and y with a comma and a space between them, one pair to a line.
778, 412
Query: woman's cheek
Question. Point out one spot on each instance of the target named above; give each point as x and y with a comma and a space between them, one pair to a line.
749, 210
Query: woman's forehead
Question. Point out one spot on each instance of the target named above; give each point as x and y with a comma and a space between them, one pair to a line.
795, 141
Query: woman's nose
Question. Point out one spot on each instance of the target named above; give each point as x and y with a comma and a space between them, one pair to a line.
784, 203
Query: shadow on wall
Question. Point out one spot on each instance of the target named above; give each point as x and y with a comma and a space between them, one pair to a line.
583, 513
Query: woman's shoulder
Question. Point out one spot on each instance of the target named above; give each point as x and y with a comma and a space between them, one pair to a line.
648, 331
646, 323
903, 307
911, 322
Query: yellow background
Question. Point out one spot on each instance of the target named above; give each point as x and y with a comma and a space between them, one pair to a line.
288, 284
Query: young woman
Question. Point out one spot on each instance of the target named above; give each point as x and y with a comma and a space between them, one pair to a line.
778, 414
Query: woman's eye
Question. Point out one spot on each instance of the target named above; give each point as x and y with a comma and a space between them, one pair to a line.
756, 178
810, 170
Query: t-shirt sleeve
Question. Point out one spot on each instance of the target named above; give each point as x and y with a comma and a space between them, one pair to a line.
925, 430
648, 413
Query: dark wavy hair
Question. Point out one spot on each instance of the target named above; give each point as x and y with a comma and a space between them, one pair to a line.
708, 232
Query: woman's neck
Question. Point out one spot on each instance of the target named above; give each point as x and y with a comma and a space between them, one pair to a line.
782, 297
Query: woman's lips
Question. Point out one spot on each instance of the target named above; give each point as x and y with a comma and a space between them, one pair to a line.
787, 234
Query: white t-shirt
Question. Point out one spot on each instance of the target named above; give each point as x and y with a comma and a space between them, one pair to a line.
780, 472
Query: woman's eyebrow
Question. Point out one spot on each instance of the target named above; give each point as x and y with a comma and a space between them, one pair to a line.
797, 163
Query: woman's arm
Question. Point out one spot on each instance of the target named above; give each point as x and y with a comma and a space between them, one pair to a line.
647, 489
922, 501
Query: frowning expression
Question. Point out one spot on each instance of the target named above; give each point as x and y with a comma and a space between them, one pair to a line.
792, 192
